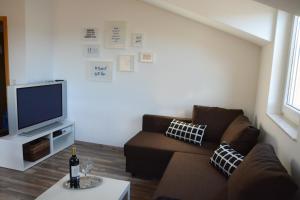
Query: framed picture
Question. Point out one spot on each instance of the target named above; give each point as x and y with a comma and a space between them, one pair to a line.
137, 39
90, 34
115, 34
91, 50
126, 63
100, 71
146, 57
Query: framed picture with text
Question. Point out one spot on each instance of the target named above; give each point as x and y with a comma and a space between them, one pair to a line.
115, 34
90, 34
101, 71
137, 39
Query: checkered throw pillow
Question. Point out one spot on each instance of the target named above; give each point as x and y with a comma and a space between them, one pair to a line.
187, 132
226, 159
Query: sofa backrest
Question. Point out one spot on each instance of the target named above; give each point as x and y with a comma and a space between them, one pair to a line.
159, 123
261, 176
240, 135
217, 120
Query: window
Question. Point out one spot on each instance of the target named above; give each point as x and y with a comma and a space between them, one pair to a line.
283, 106
293, 84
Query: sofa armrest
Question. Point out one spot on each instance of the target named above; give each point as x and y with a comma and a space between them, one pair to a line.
297, 195
3, 132
165, 198
157, 123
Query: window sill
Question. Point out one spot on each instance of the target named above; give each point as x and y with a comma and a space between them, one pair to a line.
288, 127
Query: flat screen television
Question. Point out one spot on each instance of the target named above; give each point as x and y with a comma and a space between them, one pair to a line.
33, 106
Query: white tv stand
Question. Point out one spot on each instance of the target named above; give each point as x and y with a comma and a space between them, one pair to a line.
11, 146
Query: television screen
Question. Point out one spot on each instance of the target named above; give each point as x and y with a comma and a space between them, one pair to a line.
39, 104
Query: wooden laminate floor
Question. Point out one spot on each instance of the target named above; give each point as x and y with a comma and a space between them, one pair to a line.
108, 162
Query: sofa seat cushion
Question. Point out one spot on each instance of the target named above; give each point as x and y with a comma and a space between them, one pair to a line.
149, 144
191, 177
148, 153
216, 119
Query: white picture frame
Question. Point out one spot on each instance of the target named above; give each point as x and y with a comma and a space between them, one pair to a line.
101, 71
115, 34
137, 40
126, 63
146, 57
90, 34
91, 50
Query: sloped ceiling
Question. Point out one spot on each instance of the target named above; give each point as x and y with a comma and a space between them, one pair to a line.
291, 6
246, 19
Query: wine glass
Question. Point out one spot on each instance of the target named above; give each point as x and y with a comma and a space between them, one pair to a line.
86, 166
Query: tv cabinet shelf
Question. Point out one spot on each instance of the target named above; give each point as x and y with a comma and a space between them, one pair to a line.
62, 135
11, 146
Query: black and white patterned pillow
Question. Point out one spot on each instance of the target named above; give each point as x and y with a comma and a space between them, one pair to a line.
226, 159
187, 132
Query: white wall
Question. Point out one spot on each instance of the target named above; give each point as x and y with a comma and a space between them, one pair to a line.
15, 12
38, 20
29, 39
195, 65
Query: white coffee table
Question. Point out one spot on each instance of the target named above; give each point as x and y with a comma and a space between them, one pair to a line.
110, 189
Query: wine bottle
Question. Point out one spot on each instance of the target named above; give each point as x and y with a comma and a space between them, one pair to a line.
74, 170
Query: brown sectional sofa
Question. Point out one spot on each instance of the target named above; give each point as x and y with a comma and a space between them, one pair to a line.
149, 152
184, 169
